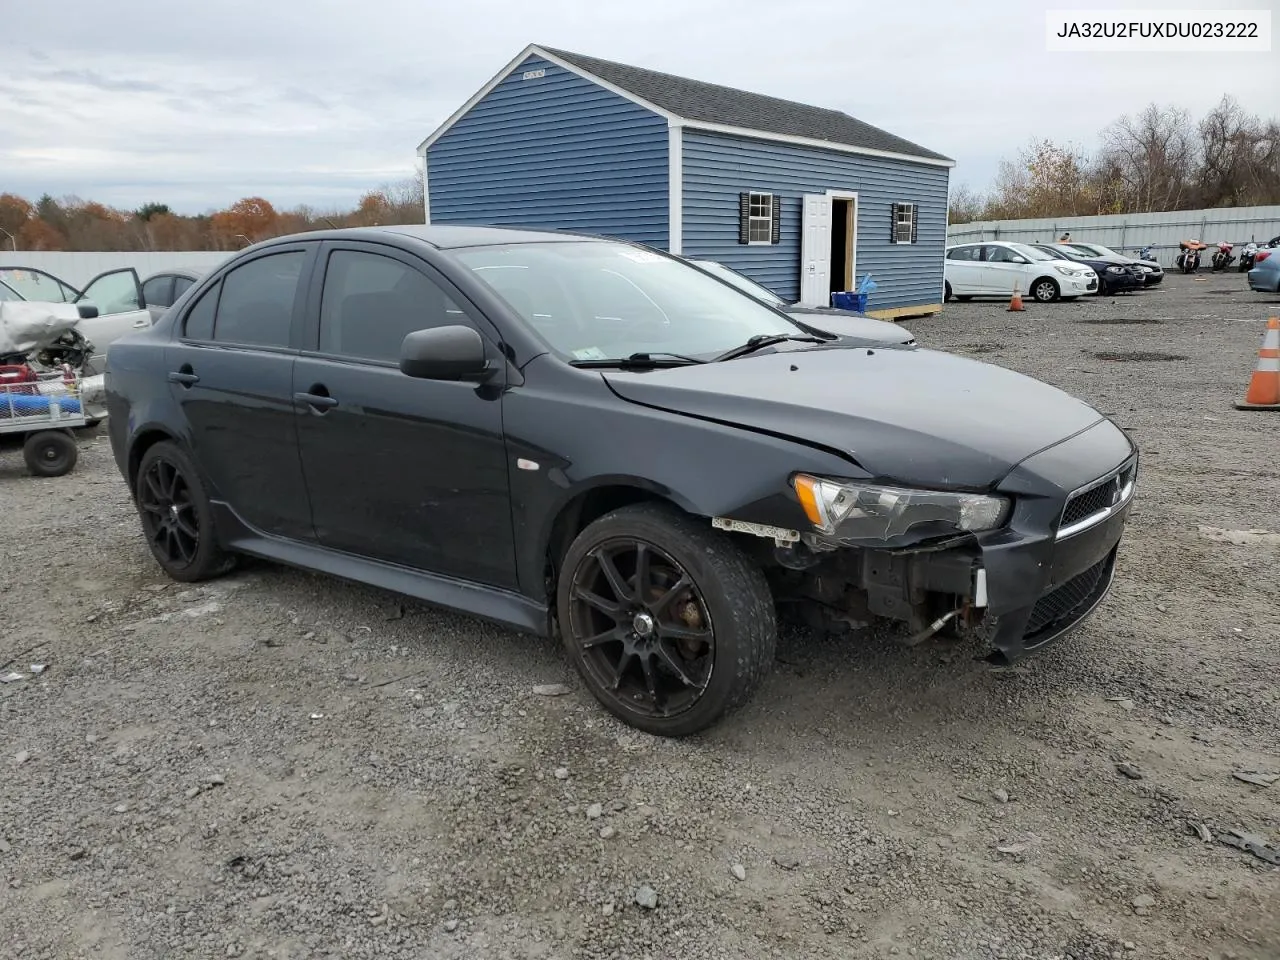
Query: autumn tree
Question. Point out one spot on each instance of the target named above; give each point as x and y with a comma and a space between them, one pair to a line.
251, 219
15, 213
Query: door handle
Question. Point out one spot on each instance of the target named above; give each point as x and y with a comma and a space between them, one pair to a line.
142, 323
318, 401
184, 377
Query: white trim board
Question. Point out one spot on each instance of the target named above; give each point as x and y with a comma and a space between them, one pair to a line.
675, 187
670, 117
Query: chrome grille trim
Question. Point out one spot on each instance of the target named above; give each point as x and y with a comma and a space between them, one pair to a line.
1125, 477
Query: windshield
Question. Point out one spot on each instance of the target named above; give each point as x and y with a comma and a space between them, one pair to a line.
594, 300
744, 284
1092, 250
1031, 253
7, 293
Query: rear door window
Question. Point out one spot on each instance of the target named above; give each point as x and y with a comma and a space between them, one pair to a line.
158, 291
257, 303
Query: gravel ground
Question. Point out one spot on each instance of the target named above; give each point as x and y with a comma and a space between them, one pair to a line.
282, 765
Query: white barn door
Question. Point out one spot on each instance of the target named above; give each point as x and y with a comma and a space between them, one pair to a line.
815, 251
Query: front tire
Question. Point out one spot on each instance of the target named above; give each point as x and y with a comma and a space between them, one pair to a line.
667, 621
946, 291
177, 517
1045, 290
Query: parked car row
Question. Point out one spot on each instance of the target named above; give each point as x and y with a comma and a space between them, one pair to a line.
1043, 271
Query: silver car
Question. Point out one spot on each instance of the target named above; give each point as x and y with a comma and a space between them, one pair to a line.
161, 290
845, 323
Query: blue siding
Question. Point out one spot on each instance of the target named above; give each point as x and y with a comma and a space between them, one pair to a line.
717, 168
555, 152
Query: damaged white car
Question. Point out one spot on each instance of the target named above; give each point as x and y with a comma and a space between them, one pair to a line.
109, 307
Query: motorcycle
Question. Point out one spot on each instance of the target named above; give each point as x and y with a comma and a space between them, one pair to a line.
1188, 260
1247, 257
1223, 257
1147, 253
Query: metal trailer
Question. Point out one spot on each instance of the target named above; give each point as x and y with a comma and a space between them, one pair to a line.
43, 409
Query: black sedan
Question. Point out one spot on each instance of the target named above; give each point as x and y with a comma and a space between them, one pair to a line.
1115, 274
589, 439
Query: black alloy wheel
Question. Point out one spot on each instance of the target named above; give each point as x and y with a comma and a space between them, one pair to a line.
667, 621
176, 516
643, 626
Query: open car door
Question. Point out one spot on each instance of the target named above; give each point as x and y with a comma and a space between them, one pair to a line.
117, 294
33, 284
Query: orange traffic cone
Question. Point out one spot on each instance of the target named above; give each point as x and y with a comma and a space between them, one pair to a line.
1264, 386
1015, 304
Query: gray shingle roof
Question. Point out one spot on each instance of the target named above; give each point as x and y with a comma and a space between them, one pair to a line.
712, 103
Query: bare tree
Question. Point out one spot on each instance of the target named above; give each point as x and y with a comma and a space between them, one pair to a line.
966, 206
1154, 155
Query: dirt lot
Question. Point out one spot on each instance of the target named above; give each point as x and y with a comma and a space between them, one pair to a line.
281, 765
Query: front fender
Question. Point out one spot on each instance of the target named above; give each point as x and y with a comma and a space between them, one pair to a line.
707, 469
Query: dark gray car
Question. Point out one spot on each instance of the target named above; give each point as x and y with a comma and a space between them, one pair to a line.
593, 440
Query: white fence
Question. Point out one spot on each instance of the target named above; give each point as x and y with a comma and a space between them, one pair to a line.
78, 269
1130, 232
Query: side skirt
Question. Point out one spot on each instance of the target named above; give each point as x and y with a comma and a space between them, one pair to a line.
511, 610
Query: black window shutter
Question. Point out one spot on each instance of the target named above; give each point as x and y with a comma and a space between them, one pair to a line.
915, 218
775, 235
744, 218
893, 223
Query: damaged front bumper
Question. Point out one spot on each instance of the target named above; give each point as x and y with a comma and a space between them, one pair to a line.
1019, 587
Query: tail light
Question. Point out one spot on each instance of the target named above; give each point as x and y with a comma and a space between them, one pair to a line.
1261, 255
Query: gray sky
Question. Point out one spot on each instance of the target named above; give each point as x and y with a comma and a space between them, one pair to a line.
316, 101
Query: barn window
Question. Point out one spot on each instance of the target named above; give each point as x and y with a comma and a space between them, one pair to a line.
758, 216
904, 223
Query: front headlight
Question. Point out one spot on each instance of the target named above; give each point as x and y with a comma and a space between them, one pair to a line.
1067, 271
1115, 269
855, 512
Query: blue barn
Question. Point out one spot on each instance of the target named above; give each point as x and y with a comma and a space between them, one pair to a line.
800, 199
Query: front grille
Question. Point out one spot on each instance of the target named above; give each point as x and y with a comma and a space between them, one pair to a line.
1068, 602
1093, 500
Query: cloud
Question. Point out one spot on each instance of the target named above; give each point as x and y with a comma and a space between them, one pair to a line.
317, 101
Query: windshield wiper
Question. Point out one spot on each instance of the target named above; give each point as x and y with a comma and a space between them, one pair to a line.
641, 361
766, 340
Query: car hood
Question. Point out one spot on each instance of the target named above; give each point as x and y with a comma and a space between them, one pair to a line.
846, 323
919, 417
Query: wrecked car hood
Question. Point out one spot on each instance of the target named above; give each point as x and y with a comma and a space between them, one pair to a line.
26, 326
919, 417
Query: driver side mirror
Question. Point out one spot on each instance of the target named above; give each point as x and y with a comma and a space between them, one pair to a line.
1020, 260
87, 310
445, 353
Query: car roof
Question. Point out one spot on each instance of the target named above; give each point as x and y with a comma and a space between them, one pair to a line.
188, 272
442, 237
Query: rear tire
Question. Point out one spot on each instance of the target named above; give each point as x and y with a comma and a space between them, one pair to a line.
666, 620
50, 453
946, 291
176, 516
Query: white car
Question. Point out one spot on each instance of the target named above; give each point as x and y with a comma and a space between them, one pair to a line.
111, 305
995, 268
